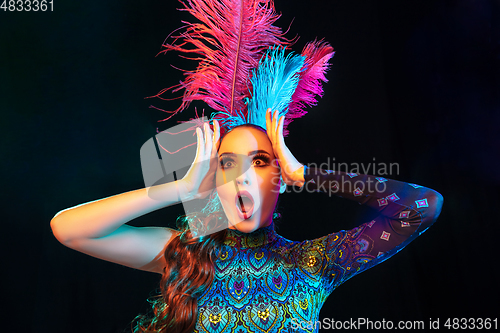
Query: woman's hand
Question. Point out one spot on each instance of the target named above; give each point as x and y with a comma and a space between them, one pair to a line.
200, 178
292, 171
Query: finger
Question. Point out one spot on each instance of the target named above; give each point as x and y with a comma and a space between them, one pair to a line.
217, 135
215, 138
281, 140
203, 141
213, 132
278, 117
271, 132
275, 125
208, 141
268, 124
280, 128
198, 144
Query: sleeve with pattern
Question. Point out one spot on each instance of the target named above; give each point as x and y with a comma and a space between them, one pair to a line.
405, 211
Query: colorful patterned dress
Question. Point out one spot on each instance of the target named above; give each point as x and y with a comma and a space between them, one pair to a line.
266, 283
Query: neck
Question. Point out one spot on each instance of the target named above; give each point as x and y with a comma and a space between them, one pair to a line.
259, 237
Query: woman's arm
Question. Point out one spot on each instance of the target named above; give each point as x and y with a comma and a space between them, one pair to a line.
393, 199
98, 228
405, 210
102, 217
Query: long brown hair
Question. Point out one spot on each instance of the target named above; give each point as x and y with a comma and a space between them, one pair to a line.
189, 269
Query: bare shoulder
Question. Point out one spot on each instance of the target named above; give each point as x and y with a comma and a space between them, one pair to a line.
136, 247
165, 235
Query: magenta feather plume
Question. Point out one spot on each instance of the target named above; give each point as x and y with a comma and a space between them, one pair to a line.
317, 54
229, 41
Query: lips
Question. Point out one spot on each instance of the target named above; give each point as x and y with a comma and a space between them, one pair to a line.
244, 204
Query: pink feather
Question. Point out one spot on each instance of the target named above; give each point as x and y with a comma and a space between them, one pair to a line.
317, 54
229, 42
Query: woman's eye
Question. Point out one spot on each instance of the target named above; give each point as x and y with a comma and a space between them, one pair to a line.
226, 163
261, 161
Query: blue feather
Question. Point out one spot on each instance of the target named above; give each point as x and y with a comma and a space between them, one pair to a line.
273, 84
228, 120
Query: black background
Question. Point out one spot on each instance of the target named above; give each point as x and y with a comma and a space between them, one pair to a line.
412, 82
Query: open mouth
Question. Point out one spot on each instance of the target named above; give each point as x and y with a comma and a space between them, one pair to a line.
244, 204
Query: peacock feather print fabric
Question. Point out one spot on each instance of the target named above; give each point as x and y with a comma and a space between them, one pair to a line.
267, 283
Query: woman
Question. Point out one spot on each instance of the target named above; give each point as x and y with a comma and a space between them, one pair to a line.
225, 269
246, 278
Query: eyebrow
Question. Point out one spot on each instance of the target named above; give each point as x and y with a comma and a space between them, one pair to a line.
251, 153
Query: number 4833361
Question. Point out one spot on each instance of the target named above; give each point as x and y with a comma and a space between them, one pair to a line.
27, 5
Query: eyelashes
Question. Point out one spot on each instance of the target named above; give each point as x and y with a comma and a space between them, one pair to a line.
265, 158
224, 161
259, 160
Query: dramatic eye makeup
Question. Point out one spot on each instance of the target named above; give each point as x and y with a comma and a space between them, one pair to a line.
226, 162
260, 158
264, 160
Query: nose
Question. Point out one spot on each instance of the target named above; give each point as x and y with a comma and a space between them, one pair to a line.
243, 179
245, 182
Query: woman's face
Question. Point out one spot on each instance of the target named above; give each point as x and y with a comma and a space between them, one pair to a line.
248, 178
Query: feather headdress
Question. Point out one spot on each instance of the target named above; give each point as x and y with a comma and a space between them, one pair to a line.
242, 67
